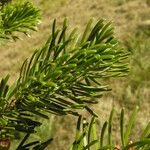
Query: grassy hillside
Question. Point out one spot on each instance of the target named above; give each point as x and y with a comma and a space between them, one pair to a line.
131, 19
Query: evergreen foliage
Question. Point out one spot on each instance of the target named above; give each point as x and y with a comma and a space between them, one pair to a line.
18, 17
87, 135
3, 2
64, 75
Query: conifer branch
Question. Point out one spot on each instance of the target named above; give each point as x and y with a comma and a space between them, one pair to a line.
18, 17
61, 77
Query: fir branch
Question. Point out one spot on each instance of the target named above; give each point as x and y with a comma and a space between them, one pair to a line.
104, 142
18, 17
62, 77
55, 78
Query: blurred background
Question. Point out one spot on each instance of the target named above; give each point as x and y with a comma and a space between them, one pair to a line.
131, 19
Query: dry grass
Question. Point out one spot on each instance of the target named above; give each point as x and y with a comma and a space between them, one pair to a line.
127, 17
